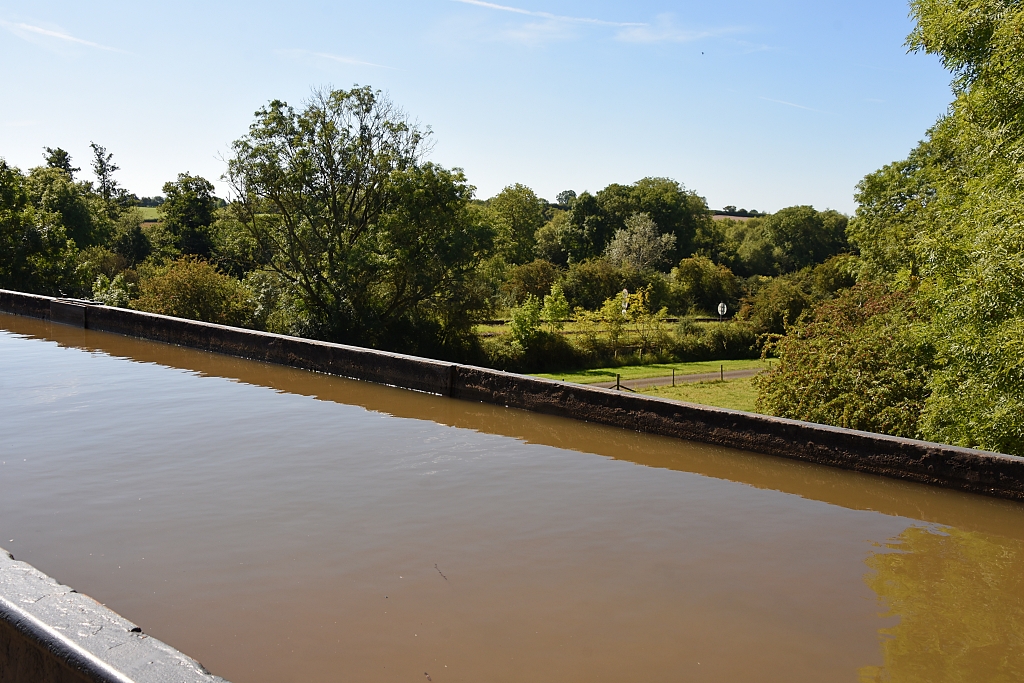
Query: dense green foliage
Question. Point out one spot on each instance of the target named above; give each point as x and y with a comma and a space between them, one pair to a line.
944, 230
593, 219
189, 212
190, 288
866, 359
339, 229
35, 252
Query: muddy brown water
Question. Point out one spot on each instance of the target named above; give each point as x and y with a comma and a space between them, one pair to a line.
280, 525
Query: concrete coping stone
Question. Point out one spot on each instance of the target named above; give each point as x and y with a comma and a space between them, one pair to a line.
51, 632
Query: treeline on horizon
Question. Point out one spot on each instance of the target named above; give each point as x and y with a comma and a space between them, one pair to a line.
906, 319
372, 245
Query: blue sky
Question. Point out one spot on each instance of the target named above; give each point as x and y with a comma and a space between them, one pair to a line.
758, 104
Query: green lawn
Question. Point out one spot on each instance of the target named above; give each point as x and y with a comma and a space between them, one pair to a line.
490, 330
150, 213
656, 370
738, 394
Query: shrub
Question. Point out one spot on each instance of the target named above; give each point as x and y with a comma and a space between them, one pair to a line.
192, 288
530, 279
776, 304
547, 352
714, 341
861, 361
117, 291
587, 284
525, 323
698, 284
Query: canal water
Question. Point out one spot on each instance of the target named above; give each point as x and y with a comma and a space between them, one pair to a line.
279, 525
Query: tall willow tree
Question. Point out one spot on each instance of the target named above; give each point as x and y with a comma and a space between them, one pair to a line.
375, 244
973, 238
945, 225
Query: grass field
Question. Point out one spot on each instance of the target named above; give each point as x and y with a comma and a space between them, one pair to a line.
738, 394
150, 213
490, 330
655, 370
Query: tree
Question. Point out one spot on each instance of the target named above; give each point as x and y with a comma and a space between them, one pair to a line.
614, 312
51, 190
701, 284
113, 196
588, 230
376, 244
556, 307
947, 221
529, 279
566, 197
132, 243
35, 254
676, 210
525, 323
60, 159
806, 237
638, 245
893, 208
519, 213
189, 210
646, 324
561, 241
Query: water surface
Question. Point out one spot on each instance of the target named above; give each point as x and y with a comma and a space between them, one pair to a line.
280, 525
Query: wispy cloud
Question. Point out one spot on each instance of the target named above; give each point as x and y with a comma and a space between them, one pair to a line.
664, 30
547, 15
797, 106
19, 28
349, 60
751, 48
333, 58
536, 33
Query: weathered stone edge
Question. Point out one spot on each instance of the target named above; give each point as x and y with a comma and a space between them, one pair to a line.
80, 639
952, 467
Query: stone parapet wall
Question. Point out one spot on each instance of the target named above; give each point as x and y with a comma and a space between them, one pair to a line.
49, 633
951, 467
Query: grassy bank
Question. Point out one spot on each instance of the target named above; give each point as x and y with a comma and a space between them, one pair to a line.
737, 394
655, 370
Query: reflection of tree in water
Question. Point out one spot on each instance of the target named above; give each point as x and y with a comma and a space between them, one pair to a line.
960, 599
